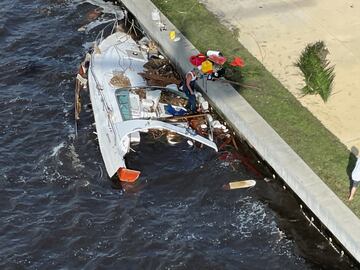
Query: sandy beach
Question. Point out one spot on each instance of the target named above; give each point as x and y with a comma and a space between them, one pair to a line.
276, 32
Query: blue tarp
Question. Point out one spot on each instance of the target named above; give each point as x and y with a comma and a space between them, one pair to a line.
171, 110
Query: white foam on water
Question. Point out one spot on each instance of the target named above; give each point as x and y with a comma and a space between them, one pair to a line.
251, 216
107, 7
88, 45
18, 99
88, 27
75, 160
85, 183
56, 149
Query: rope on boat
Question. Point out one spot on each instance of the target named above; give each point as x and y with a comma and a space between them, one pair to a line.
99, 87
107, 108
80, 84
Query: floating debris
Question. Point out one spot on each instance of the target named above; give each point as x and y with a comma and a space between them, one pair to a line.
239, 184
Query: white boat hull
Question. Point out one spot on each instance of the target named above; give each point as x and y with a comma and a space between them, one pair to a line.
119, 53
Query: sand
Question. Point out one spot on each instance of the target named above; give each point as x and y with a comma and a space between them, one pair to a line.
276, 32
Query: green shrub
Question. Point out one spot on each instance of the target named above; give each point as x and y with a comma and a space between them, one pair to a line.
318, 73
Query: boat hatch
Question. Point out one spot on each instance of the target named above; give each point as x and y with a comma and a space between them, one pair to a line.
124, 104
135, 54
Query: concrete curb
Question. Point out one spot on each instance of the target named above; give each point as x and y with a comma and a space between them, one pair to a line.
328, 208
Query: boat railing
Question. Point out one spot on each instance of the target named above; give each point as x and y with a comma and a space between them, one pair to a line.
100, 36
133, 27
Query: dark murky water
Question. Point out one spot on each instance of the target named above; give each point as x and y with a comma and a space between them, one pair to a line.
58, 209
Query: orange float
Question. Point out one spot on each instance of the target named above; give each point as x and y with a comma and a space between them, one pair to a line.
127, 175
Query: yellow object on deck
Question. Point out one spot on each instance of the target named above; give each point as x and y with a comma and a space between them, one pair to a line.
172, 35
206, 66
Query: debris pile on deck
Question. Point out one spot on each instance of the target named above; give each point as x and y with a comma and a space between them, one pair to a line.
119, 80
160, 72
146, 98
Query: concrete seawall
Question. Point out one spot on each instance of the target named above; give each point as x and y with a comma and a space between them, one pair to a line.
327, 207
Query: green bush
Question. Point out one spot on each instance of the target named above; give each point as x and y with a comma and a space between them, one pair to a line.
318, 73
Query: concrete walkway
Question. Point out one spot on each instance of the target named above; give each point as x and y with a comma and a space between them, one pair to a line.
276, 32
248, 123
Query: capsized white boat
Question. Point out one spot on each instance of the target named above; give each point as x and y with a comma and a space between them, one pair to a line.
123, 105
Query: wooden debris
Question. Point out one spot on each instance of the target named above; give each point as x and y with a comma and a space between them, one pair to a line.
160, 72
239, 184
156, 63
157, 79
140, 92
153, 49
120, 80
172, 99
